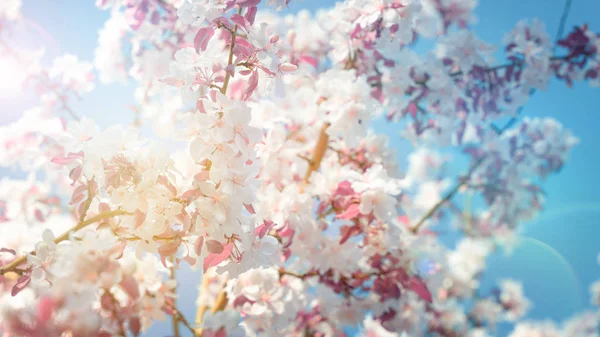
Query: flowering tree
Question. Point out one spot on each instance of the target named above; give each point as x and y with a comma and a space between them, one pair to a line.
264, 173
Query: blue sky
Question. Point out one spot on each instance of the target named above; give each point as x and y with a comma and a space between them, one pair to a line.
557, 260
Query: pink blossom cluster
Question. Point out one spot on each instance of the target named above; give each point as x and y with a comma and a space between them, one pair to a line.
264, 172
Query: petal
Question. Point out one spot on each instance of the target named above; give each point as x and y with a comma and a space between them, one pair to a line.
38, 273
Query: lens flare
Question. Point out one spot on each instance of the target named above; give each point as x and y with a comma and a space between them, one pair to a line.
12, 76
547, 276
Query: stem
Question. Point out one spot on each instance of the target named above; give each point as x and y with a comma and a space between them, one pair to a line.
64, 236
201, 308
448, 196
183, 320
219, 305
230, 58
283, 272
318, 154
175, 316
221, 300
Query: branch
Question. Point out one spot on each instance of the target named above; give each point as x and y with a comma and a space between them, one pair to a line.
201, 308
448, 196
318, 154
563, 22
65, 236
230, 58
174, 317
221, 301
219, 305
183, 320
283, 272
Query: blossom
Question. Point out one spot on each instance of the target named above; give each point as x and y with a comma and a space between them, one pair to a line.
377, 193
374, 329
196, 12
269, 176
44, 251
487, 310
513, 300
108, 57
228, 320
538, 329
10, 9
465, 50
73, 73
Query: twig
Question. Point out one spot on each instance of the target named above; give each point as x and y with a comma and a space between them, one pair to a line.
183, 320
202, 308
64, 236
562, 22
230, 58
448, 196
283, 272
221, 301
175, 317
318, 154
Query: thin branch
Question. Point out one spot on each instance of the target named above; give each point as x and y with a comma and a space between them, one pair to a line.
230, 58
175, 317
64, 236
219, 305
318, 154
562, 22
201, 308
183, 320
283, 272
221, 301
448, 196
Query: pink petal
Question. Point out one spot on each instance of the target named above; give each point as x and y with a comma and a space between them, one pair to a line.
202, 38
215, 259
214, 246
287, 67
22, 282
198, 245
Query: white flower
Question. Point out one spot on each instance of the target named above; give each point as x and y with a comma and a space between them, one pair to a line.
373, 328
464, 48
535, 329
44, 253
10, 9
196, 12
487, 311
109, 58
261, 287
513, 300
377, 193
74, 74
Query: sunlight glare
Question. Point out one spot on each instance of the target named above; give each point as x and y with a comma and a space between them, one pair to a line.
12, 76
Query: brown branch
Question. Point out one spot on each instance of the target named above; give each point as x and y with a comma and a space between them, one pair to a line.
219, 305
175, 317
448, 196
221, 300
64, 236
182, 319
283, 272
201, 308
230, 58
318, 153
